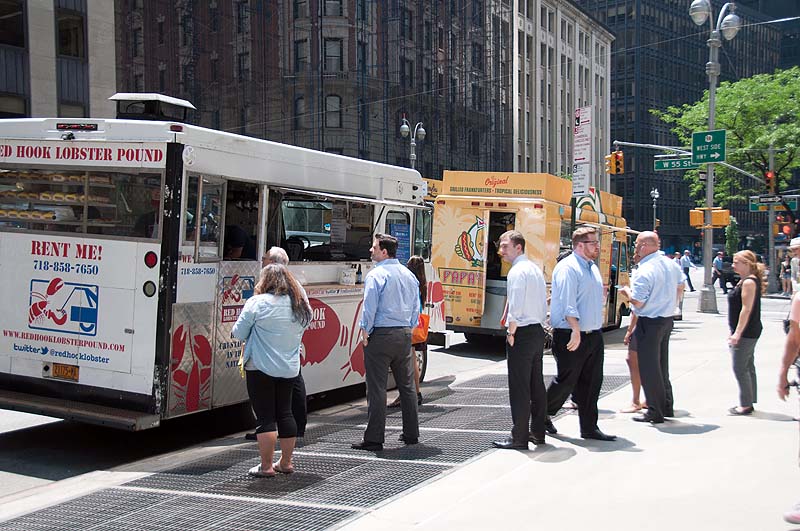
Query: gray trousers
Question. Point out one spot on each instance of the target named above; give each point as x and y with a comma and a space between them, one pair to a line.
652, 338
744, 369
390, 348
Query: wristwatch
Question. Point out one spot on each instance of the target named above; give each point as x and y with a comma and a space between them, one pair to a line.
509, 333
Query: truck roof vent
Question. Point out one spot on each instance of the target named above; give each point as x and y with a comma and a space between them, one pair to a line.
151, 106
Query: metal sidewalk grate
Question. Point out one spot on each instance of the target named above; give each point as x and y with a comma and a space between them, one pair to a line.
215, 493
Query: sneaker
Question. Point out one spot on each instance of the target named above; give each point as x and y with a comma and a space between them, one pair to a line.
793, 515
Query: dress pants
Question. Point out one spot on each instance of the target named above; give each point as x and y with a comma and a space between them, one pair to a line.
390, 347
652, 336
580, 372
688, 278
526, 390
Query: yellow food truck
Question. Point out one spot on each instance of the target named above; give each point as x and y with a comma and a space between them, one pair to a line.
472, 210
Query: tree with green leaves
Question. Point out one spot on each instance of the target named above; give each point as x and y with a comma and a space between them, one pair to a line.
758, 112
732, 237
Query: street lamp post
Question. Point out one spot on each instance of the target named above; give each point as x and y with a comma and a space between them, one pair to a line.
728, 25
419, 134
655, 195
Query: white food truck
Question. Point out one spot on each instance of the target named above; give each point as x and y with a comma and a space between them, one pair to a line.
129, 246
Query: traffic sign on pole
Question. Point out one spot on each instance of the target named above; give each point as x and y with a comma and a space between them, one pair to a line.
674, 164
762, 203
708, 146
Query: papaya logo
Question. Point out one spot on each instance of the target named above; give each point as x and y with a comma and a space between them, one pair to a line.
470, 244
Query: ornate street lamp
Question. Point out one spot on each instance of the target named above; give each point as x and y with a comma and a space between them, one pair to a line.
419, 134
728, 25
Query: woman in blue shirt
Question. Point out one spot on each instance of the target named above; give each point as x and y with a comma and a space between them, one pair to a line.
272, 323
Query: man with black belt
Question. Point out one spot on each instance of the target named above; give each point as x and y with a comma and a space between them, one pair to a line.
526, 310
653, 296
576, 315
390, 311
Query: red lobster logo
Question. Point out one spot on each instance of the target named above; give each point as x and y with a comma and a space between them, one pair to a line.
40, 310
325, 332
231, 293
190, 377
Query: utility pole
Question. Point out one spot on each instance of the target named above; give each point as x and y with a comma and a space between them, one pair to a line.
773, 285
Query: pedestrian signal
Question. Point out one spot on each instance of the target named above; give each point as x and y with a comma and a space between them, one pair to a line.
696, 218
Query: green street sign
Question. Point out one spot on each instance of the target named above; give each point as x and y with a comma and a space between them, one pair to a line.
758, 204
708, 146
674, 164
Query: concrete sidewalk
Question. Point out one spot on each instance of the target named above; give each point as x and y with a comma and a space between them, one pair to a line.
702, 470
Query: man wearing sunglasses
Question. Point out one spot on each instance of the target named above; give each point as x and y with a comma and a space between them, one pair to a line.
576, 314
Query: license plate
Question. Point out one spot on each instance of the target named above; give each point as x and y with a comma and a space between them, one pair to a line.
64, 372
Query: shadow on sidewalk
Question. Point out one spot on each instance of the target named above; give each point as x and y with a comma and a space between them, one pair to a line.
620, 445
676, 427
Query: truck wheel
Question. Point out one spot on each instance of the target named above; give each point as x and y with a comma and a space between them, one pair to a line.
421, 358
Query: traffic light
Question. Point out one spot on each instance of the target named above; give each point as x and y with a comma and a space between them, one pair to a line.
769, 179
696, 218
615, 162
610, 168
720, 217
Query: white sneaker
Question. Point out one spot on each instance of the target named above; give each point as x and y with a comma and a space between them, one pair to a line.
793, 515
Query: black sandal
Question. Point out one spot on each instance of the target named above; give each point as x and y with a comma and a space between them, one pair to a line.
745, 411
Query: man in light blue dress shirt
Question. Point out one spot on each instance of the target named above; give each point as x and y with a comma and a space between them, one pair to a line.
526, 310
576, 315
653, 295
390, 310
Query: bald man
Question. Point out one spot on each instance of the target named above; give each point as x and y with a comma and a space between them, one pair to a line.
654, 295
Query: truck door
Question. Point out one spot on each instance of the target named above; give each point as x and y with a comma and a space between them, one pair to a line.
461, 241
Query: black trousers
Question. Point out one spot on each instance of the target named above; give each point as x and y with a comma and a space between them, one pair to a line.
688, 278
580, 372
652, 337
271, 399
526, 390
299, 411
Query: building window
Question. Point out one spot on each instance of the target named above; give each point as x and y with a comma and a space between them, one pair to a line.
162, 80
12, 25
241, 15
333, 111
406, 72
300, 8
243, 66
71, 34
361, 58
299, 114
160, 30
363, 115
12, 107
361, 10
138, 43
213, 18
407, 24
477, 97
333, 55
333, 8
477, 56
214, 68
428, 36
138, 83
477, 13
427, 80
301, 55
186, 28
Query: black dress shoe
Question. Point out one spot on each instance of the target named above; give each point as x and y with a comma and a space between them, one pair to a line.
408, 440
648, 418
598, 435
510, 444
670, 413
536, 439
368, 446
251, 436
549, 427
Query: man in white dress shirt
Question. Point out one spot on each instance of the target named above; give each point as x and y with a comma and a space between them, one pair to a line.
526, 310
